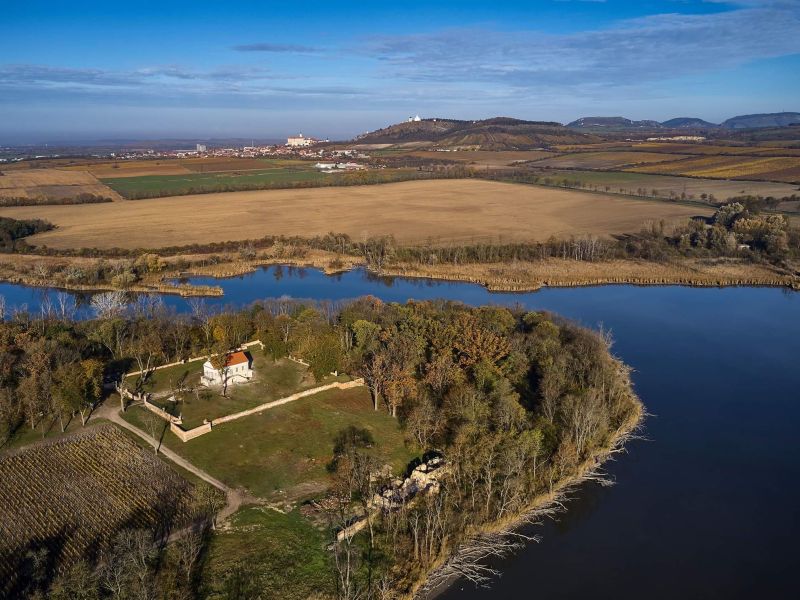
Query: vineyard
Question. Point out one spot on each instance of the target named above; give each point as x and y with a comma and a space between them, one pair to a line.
785, 168
70, 497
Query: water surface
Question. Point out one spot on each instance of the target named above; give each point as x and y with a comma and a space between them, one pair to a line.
707, 508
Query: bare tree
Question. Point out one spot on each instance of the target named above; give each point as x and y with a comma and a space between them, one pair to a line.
108, 304
375, 372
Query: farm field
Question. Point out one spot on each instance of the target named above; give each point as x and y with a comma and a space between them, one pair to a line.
704, 149
191, 182
785, 168
714, 150
273, 455
55, 184
180, 166
74, 494
606, 160
417, 212
722, 189
485, 158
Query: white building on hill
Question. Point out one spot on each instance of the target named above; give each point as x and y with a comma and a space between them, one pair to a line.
238, 369
300, 141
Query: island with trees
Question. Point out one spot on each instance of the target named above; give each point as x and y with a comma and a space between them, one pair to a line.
470, 422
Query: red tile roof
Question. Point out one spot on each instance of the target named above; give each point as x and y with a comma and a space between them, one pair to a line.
237, 358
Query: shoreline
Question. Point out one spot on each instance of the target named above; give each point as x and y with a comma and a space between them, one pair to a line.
540, 507
512, 277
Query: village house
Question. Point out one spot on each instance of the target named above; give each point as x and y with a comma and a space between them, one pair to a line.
238, 369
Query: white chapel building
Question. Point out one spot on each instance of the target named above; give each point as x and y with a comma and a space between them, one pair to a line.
238, 369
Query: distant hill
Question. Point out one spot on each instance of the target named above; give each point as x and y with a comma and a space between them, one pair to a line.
612, 124
762, 120
688, 123
499, 133
621, 124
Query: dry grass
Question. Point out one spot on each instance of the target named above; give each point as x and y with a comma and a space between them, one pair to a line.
443, 211
51, 184
566, 273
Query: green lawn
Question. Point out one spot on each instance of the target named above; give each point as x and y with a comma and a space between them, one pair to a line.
164, 380
282, 555
272, 380
282, 452
166, 185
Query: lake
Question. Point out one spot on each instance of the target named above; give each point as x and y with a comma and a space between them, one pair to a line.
707, 506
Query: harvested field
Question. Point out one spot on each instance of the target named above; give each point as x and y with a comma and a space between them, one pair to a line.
53, 184
722, 189
73, 495
487, 158
440, 211
219, 181
180, 166
714, 150
607, 160
684, 148
134, 168
785, 168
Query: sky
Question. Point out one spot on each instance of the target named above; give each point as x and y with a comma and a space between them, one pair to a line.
75, 71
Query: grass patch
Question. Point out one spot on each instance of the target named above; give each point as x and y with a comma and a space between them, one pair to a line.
272, 380
282, 453
283, 553
164, 380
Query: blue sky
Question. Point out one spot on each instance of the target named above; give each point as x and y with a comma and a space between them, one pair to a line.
89, 70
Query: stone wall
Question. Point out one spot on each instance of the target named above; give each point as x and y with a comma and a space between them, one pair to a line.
185, 436
205, 428
161, 412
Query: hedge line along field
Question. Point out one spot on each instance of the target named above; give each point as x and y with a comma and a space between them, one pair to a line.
417, 212
73, 495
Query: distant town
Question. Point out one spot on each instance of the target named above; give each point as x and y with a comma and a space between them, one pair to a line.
298, 146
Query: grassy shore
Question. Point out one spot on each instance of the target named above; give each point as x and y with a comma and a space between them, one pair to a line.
519, 276
526, 276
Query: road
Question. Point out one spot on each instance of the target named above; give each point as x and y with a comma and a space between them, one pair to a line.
235, 498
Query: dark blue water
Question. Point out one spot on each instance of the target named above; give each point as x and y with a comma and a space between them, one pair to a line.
708, 507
